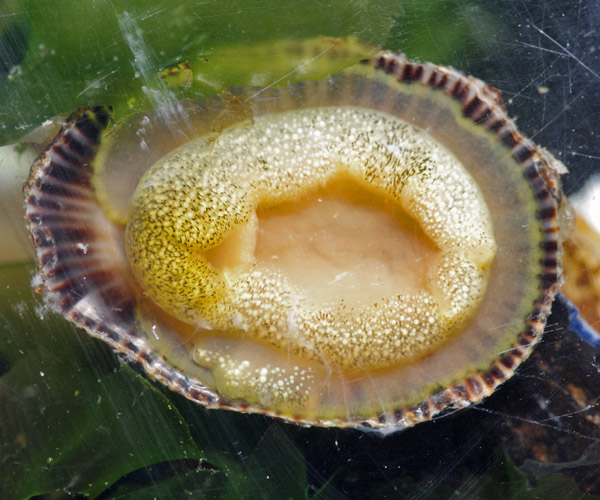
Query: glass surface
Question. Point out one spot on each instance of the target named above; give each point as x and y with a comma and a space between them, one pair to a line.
75, 420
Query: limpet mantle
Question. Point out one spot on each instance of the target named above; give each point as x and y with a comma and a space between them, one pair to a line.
96, 290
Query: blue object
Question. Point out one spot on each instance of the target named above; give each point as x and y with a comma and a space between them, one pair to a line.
578, 325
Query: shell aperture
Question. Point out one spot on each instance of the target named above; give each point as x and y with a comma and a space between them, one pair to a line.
225, 328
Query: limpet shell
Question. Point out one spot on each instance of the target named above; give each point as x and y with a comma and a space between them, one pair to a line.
116, 215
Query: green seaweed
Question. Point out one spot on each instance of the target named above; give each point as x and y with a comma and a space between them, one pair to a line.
73, 417
70, 53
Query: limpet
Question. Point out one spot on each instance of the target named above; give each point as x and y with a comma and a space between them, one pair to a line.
365, 250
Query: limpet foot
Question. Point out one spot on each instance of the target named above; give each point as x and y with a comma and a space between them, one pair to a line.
203, 193
367, 249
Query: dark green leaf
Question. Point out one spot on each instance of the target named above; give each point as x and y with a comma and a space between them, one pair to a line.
197, 483
72, 418
276, 466
444, 31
